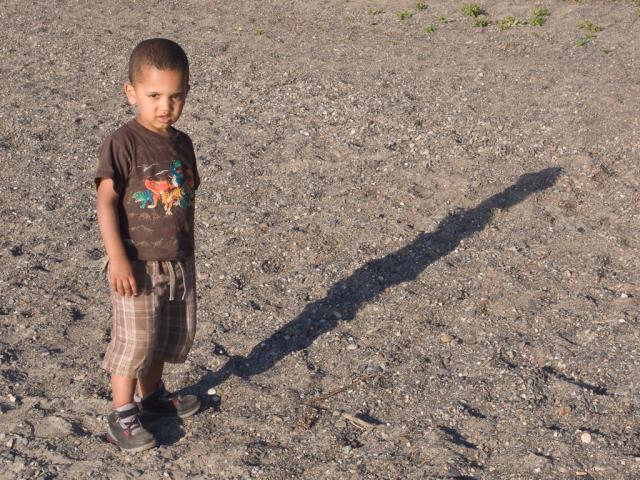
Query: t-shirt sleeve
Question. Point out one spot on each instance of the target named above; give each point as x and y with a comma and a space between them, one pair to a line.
196, 175
113, 163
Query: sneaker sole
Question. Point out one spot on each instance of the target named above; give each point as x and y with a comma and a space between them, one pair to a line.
139, 448
191, 412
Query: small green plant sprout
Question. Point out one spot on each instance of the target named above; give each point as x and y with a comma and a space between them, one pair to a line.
591, 30
509, 22
429, 29
421, 6
589, 27
586, 40
374, 11
480, 22
472, 10
539, 16
404, 15
442, 19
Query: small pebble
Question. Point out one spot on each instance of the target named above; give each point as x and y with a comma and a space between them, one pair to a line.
211, 391
585, 437
446, 338
12, 398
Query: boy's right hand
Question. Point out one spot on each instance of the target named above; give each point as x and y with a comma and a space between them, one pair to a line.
121, 277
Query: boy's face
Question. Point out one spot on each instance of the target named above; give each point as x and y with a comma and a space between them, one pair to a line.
159, 95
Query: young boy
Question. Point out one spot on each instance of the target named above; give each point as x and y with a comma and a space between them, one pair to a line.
146, 182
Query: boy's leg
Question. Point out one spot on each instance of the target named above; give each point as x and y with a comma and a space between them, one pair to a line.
129, 353
148, 383
125, 429
122, 389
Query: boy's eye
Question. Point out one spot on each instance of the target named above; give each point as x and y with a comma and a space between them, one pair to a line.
153, 95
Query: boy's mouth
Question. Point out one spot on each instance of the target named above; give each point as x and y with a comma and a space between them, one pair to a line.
164, 119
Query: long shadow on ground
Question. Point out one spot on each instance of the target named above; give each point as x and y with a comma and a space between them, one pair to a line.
347, 296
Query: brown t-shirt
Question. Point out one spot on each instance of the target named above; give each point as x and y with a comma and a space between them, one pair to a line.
156, 179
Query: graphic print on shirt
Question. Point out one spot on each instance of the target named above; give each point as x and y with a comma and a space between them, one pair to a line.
172, 188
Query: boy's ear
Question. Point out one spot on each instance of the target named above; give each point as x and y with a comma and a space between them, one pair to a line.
130, 92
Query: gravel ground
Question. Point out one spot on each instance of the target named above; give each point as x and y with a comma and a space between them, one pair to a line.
416, 247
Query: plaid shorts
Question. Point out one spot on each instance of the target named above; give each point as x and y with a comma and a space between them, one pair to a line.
158, 324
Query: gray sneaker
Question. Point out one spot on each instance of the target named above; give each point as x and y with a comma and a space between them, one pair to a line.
162, 403
126, 431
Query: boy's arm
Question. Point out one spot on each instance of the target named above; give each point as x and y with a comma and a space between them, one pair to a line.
120, 272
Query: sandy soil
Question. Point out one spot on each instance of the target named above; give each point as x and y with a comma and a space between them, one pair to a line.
417, 249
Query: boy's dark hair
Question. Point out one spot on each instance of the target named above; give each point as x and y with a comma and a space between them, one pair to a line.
160, 53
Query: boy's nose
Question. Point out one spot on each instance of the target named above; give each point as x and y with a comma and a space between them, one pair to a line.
165, 105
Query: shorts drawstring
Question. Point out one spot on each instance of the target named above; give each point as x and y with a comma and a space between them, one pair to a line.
156, 273
172, 279
184, 279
